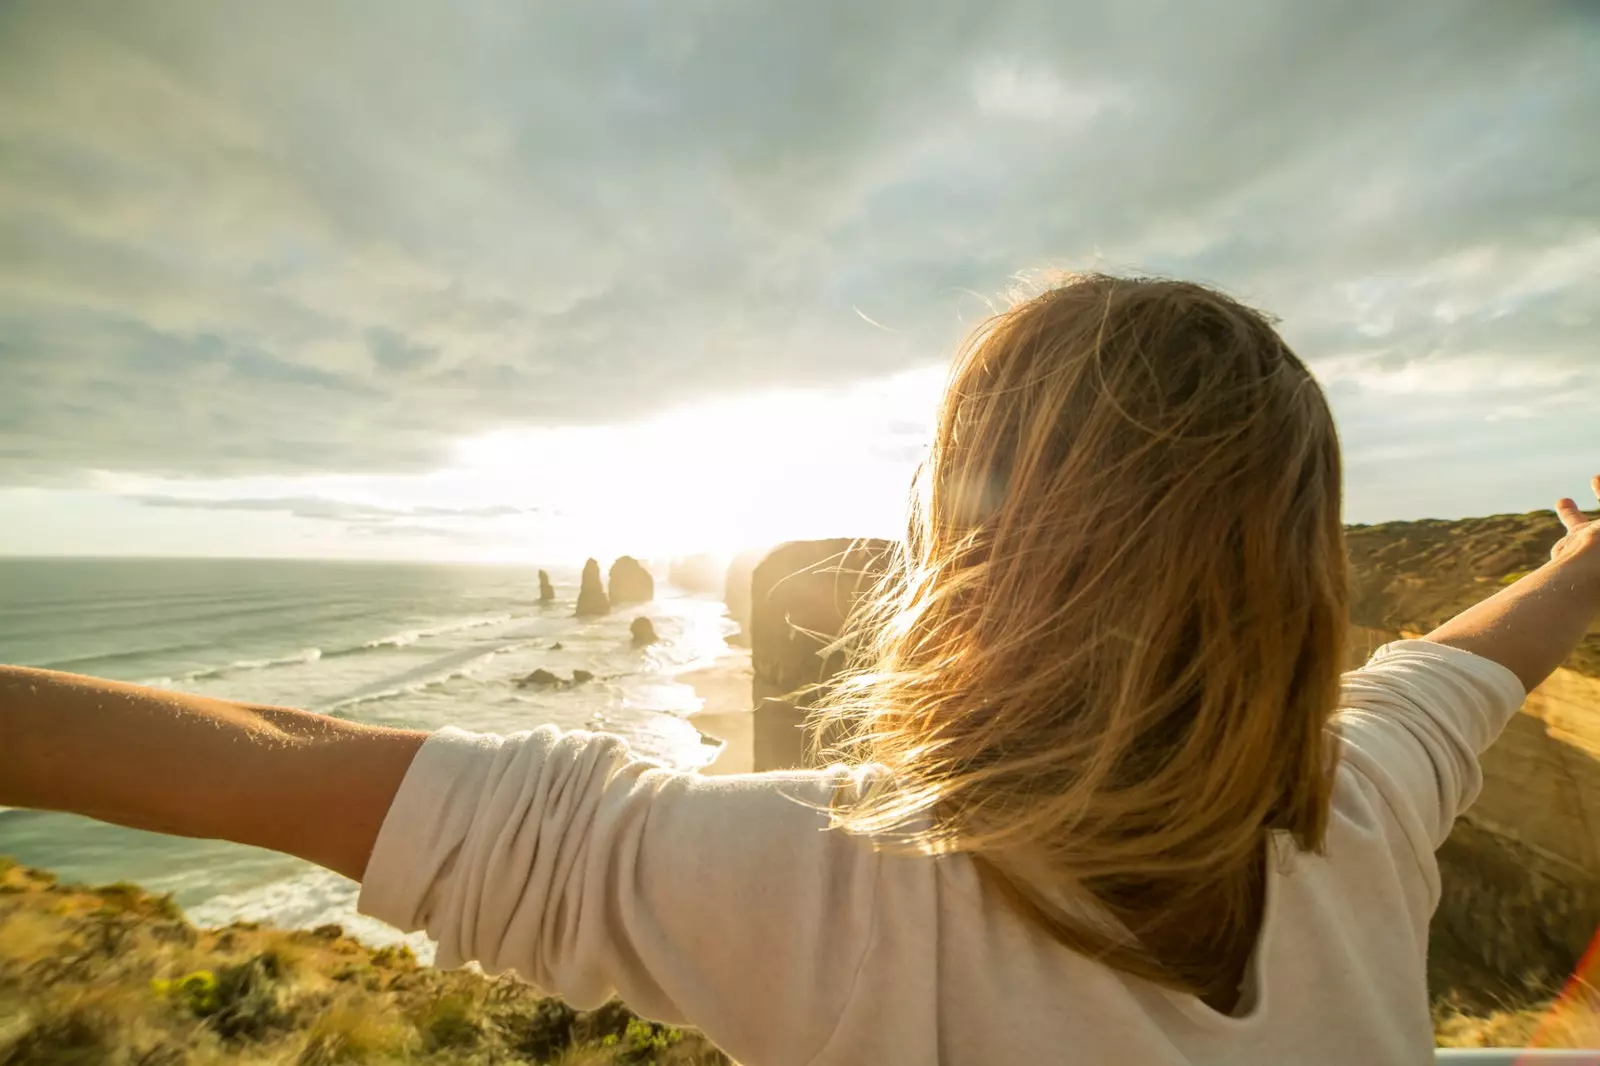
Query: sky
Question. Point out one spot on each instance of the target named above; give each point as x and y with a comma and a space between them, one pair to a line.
530, 281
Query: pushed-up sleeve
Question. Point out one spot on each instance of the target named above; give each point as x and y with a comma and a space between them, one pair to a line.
1413, 721
721, 902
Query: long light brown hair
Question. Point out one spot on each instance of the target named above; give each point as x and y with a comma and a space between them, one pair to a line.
1104, 662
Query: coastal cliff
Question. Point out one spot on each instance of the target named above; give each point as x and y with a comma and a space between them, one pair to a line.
800, 595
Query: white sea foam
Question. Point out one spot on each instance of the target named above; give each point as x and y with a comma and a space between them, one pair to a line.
305, 901
411, 636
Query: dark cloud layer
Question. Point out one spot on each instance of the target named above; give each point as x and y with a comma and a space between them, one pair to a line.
328, 509
293, 237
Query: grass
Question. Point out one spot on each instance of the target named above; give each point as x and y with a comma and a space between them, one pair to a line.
116, 976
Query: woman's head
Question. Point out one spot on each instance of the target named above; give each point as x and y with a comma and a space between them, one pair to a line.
1109, 651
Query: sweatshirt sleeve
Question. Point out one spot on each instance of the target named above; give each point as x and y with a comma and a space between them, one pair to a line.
721, 902
1413, 721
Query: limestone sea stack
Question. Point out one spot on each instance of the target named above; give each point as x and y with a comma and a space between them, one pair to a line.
698, 573
644, 632
592, 600
631, 582
547, 591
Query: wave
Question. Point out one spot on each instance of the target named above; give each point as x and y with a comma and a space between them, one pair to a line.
310, 655
411, 636
439, 672
304, 655
77, 661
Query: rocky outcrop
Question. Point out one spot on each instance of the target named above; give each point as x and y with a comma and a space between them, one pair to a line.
630, 582
543, 678
540, 678
643, 632
801, 593
592, 600
736, 589
698, 573
547, 591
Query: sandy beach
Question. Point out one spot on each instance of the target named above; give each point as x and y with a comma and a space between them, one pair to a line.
727, 714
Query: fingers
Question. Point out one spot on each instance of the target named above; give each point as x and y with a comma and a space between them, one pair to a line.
1570, 516
1594, 484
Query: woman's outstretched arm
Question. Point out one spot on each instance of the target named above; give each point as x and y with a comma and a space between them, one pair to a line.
1531, 627
293, 781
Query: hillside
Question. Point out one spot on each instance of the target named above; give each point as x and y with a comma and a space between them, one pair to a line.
1411, 576
115, 976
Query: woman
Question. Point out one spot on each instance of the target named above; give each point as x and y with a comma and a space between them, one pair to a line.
1111, 800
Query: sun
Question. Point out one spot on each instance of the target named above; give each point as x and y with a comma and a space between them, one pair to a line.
722, 475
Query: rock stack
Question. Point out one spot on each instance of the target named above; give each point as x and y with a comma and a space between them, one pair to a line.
547, 591
630, 582
644, 632
698, 573
592, 600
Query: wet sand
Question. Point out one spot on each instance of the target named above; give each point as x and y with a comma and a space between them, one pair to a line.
727, 714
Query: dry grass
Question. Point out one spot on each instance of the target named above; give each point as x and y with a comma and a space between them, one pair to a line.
1411, 576
1571, 1020
117, 977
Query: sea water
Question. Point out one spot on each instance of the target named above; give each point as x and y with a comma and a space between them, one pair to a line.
411, 645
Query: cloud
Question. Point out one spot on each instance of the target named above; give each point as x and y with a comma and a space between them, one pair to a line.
330, 509
261, 239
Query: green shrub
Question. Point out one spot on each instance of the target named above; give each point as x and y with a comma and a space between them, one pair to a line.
394, 955
451, 1021
194, 992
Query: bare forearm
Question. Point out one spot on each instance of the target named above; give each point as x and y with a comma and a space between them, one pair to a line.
1530, 627
289, 780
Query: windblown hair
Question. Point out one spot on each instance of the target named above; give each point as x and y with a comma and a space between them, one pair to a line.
1104, 662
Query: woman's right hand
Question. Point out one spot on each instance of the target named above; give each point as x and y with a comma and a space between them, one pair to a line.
1578, 552
1532, 625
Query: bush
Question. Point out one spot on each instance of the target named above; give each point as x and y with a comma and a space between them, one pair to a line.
451, 1021
239, 1002
543, 1034
77, 1035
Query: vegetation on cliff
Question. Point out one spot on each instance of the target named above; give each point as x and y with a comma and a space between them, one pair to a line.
116, 976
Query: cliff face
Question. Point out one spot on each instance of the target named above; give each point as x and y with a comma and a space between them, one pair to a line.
736, 588
1521, 872
800, 595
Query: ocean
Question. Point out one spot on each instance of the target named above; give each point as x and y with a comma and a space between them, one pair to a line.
414, 645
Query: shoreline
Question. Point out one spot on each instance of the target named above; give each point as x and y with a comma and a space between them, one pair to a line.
727, 712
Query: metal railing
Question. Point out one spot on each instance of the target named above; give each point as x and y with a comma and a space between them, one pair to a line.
1507, 1056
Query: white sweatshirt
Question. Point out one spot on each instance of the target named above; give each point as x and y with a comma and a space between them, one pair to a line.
724, 903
